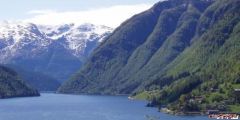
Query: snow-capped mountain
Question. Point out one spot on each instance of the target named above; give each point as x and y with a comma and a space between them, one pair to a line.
19, 40
54, 50
76, 37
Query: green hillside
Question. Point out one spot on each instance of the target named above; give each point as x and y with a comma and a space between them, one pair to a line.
40, 81
12, 86
180, 53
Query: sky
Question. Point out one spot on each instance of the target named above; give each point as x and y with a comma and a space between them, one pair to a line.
53, 12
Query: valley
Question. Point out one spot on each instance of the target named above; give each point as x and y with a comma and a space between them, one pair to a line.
179, 57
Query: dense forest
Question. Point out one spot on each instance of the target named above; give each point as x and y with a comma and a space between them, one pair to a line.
11, 85
40, 81
179, 53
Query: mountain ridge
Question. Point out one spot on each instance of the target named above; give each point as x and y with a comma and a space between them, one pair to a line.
43, 49
174, 52
161, 9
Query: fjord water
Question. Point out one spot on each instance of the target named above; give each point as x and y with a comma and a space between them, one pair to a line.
81, 107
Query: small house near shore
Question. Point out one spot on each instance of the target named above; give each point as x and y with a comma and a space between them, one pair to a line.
212, 111
237, 95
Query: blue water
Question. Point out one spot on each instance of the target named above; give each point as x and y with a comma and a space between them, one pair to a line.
81, 107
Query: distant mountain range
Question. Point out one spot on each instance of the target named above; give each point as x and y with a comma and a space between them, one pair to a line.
183, 53
54, 51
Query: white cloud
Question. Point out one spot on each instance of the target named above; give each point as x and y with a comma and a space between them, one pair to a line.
35, 12
111, 16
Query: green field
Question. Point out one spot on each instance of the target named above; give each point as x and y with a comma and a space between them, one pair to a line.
236, 86
235, 108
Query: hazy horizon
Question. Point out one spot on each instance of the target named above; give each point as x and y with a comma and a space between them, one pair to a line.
106, 12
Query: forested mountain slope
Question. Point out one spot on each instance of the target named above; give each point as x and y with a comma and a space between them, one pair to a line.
40, 81
177, 49
12, 86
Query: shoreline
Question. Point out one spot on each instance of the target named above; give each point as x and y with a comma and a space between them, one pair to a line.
91, 94
19, 96
162, 110
196, 113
